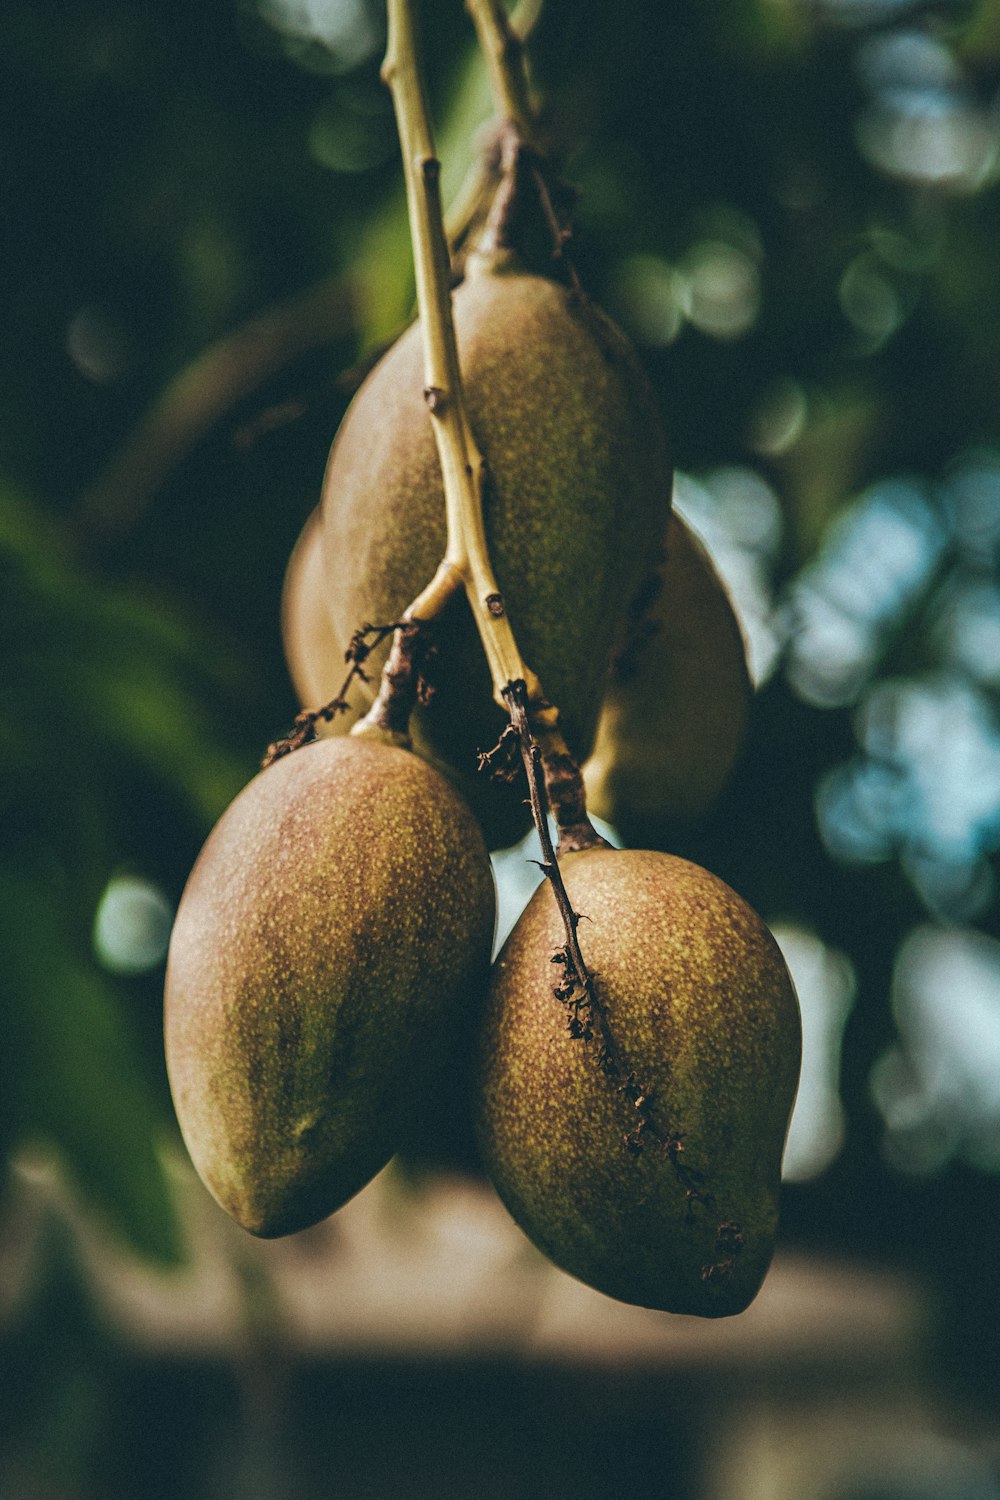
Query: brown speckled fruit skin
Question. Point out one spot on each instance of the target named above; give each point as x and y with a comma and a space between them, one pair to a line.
336, 925
576, 504
701, 1003
676, 711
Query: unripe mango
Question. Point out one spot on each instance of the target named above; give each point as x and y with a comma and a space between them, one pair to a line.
335, 929
313, 655
701, 1006
575, 502
678, 700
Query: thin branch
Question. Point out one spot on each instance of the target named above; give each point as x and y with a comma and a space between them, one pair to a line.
401, 686
567, 798
462, 464
468, 203
560, 228
362, 643
503, 53
576, 968
502, 42
211, 385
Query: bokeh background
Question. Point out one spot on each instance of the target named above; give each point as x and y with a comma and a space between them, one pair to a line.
793, 207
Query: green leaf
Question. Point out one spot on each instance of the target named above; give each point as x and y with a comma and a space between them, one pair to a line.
95, 674
71, 1075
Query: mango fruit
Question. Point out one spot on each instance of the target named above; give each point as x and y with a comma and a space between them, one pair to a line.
675, 713
683, 1215
333, 934
578, 489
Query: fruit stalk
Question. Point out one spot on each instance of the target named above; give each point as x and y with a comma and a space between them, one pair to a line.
525, 170
532, 759
513, 32
501, 46
466, 562
462, 465
388, 718
579, 984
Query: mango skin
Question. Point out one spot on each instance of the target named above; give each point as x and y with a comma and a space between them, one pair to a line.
701, 1003
678, 702
336, 925
576, 502
313, 655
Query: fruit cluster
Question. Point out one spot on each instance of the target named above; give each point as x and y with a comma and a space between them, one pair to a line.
330, 997
329, 989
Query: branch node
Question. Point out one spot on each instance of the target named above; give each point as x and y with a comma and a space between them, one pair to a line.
361, 645
503, 762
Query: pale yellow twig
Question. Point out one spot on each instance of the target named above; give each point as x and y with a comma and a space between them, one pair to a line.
502, 53
462, 465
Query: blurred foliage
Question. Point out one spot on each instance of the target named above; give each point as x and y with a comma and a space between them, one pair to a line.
791, 206
110, 724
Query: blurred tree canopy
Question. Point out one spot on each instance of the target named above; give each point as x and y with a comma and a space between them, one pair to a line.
792, 206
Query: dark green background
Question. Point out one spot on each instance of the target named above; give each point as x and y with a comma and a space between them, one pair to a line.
170, 172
